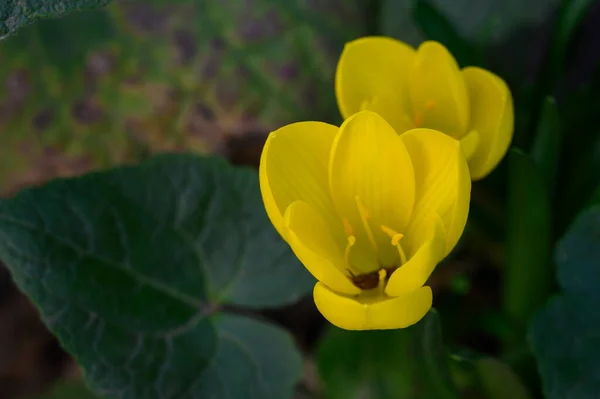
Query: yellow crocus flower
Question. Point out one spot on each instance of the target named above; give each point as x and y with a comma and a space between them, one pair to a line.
425, 88
368, 212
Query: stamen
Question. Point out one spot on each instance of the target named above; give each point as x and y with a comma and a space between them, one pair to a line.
408, 120
419, 119
382, 277
389, 231
420, 116
347, 227
364, 216
403, 259
396, 237
351, 242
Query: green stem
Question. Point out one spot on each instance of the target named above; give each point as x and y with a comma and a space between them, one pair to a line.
528, 277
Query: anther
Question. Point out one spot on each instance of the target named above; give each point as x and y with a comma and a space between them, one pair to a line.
347, 227
419, 115
396, 238
350, 244
395, 241
418, 119
389, 231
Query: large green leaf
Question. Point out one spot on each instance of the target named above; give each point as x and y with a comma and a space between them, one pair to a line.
565, 336
132, 269
408, 363
577, 256
17, 13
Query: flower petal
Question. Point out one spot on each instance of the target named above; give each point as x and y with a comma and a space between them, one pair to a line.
414, 273
443, 186
293, 166
438, 93
372, 74
371, 178
384, 314
492, 116
469, 143
317, 248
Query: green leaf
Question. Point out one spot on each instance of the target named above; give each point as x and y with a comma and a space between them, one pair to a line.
565, 335
498, 380
69, 390
564, 340
577, 256
407, 363
16, 13
528, 275
132, 269
546, 146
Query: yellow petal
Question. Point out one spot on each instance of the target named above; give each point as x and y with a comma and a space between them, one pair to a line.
414, 273
443, 186
469, 143
371, 178
293, 166
438, 93
372, 74
316, 246
383, 314
492, 116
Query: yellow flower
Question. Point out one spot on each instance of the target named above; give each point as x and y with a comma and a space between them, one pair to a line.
368, 212
425, 88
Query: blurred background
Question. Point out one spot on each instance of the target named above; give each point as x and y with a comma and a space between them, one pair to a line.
115, 85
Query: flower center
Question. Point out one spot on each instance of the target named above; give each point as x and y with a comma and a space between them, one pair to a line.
420, 115
379, 248
405, 119
373, 280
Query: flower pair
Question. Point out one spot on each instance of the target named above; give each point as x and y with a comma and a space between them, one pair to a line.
371, 207
425, 88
